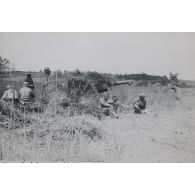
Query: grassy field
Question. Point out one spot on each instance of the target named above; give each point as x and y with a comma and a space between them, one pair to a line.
17, 84
165, 133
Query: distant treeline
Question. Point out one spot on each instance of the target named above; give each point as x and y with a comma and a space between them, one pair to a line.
141, 76
90, 74
19, 74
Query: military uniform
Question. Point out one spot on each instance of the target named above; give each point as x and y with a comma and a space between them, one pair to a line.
29, 81
116, 105
107, 108
140, 104
26, 95
10, 95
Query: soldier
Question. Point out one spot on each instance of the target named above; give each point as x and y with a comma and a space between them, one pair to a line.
29, 80
116, 105
140, 104
107, 108
26, 94
110, 108
10, 95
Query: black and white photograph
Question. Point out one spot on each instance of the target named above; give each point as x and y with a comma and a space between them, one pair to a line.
97, 97
104, 97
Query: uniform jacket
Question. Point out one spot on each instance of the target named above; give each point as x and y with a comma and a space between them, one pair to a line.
10, 94
26, 94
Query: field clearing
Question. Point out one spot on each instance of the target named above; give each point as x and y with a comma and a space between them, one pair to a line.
155, 137
166, 133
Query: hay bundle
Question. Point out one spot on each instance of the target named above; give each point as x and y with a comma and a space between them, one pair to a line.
89, 106
60, 104
10, 114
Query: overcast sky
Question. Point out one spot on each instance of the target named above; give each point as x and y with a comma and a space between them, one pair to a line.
152, 53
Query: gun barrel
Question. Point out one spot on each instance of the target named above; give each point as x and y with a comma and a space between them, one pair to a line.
129, 82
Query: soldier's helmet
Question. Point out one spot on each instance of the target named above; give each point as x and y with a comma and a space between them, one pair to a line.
8, 87
25, 84
115, 97
142, 95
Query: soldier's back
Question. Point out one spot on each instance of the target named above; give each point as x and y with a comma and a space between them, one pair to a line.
26, 94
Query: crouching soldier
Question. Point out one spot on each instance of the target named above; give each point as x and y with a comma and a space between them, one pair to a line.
116, 105
140, 104
10, 95
107, 108
26, 94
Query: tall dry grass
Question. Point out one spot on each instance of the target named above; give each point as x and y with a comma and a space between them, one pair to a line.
57, 135
156, 96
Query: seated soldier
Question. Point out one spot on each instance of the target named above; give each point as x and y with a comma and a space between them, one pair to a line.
140, 104
107, 108
114, 102
10, 95
26, 94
